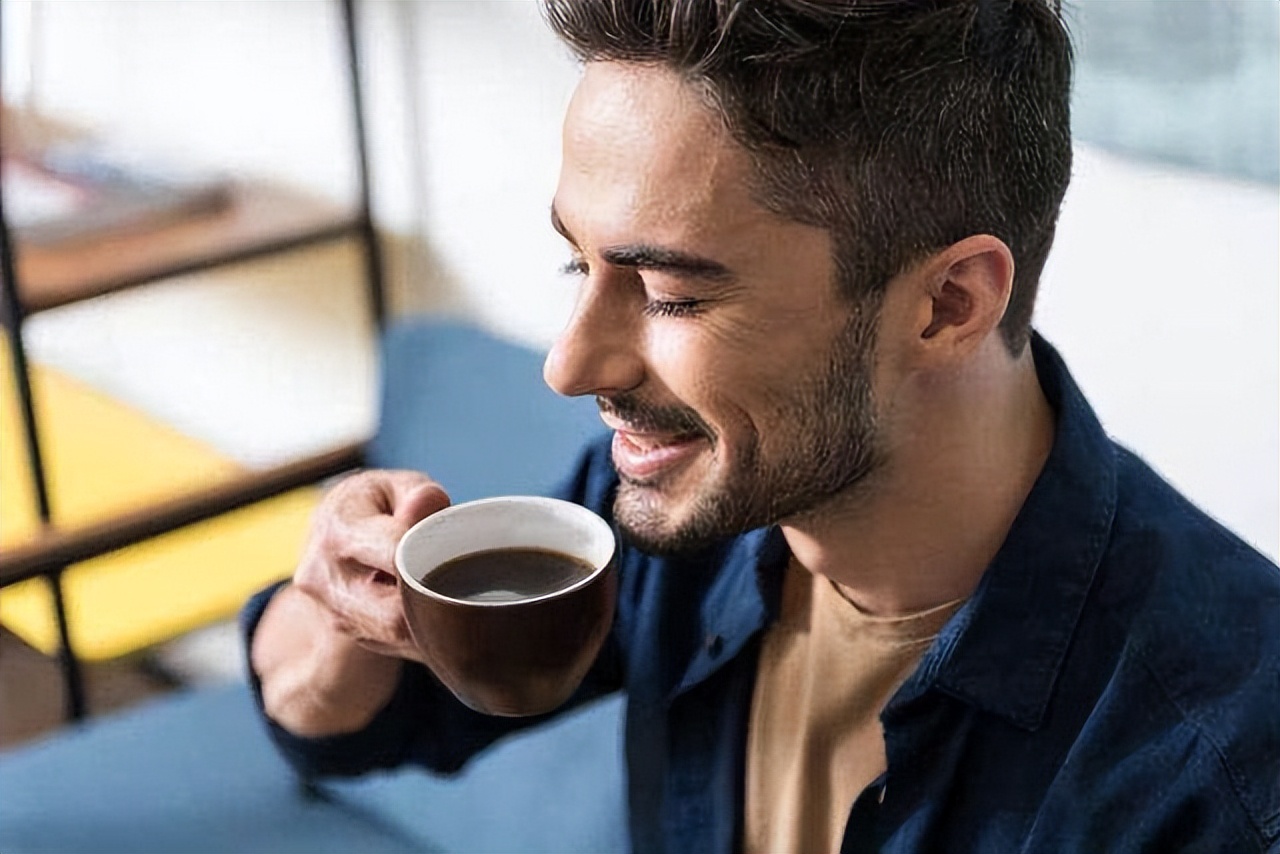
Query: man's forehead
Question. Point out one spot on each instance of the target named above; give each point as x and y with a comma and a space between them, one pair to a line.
647, 160
638, 111
610, 86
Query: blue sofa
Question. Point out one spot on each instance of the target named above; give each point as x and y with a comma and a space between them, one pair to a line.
194, 772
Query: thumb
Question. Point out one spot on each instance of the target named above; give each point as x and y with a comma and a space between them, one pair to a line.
419, 502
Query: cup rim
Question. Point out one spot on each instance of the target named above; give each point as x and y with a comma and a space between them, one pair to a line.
594, 519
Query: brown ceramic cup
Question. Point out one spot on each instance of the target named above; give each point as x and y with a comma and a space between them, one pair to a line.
521, 656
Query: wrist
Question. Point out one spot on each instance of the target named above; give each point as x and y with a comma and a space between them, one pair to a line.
348, 680
315, 680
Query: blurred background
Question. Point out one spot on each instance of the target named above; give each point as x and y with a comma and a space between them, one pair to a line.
1161, 291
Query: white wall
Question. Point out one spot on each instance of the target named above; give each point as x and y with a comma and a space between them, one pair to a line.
464, 102
1161, 291
494, 86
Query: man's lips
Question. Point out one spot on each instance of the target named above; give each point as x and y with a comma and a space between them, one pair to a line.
644, 454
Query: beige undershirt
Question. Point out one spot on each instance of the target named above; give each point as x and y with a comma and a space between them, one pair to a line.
815, 741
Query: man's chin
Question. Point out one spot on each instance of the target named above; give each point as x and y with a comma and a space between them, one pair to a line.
656, 523
662, 543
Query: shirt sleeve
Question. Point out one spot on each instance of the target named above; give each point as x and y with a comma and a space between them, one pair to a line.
423, 723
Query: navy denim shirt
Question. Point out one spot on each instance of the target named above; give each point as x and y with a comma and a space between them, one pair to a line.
1113, 684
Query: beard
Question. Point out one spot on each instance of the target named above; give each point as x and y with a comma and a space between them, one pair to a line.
833, 444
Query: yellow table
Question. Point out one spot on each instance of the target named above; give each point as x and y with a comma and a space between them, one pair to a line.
103, 458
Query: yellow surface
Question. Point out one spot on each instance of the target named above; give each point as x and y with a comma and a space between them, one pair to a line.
103, 458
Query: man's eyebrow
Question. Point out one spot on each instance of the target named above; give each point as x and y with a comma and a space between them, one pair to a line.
646, 257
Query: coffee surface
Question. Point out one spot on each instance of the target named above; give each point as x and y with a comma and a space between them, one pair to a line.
506, 575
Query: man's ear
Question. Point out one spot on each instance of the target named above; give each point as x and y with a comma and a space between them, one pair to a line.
968, 286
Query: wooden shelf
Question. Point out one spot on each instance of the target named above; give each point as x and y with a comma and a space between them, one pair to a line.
259, 220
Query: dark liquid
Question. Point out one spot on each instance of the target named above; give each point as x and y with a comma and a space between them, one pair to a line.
505, 575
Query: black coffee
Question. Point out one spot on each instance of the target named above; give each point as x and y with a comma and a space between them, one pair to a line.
505, 575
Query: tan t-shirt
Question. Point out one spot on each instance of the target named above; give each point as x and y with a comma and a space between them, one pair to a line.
815, 741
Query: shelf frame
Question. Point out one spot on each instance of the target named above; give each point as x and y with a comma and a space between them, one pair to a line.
54, 549
23, 292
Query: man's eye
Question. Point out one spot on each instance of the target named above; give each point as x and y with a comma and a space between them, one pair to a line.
574, 267
672, 308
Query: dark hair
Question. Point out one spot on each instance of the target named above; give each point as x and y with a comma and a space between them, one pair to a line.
901, 126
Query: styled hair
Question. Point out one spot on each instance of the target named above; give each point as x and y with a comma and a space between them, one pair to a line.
900, 126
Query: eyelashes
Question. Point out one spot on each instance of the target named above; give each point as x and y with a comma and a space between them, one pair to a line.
574, 267
684, 307
672, 308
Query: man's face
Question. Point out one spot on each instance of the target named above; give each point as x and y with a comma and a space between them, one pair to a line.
735, 375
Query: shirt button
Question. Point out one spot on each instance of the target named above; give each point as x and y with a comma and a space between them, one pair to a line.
715, 645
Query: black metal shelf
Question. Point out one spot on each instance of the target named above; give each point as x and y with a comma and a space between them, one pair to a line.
260, 220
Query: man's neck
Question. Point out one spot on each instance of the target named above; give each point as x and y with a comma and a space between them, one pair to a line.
923, 529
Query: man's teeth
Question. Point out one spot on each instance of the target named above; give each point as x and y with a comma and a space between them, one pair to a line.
650, 442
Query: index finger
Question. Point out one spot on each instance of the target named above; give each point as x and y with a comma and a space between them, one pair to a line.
374, 513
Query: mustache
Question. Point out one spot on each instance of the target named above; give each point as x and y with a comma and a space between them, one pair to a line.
645, 416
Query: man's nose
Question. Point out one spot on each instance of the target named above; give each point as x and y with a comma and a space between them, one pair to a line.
597, 351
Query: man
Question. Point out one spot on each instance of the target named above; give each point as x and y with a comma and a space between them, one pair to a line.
885, 583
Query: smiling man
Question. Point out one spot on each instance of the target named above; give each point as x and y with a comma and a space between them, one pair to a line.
885, 583
735, 374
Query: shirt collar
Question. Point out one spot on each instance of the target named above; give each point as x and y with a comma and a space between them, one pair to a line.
742, 600
1003, 650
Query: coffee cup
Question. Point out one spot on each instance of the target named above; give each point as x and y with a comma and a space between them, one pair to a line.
509, 599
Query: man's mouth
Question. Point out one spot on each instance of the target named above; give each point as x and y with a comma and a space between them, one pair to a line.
641, 457
650, 442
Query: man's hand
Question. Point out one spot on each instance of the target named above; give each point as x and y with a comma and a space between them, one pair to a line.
348, 565
330, 646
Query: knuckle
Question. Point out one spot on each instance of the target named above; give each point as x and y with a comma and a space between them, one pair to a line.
335, 538
306, 578
323, 530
